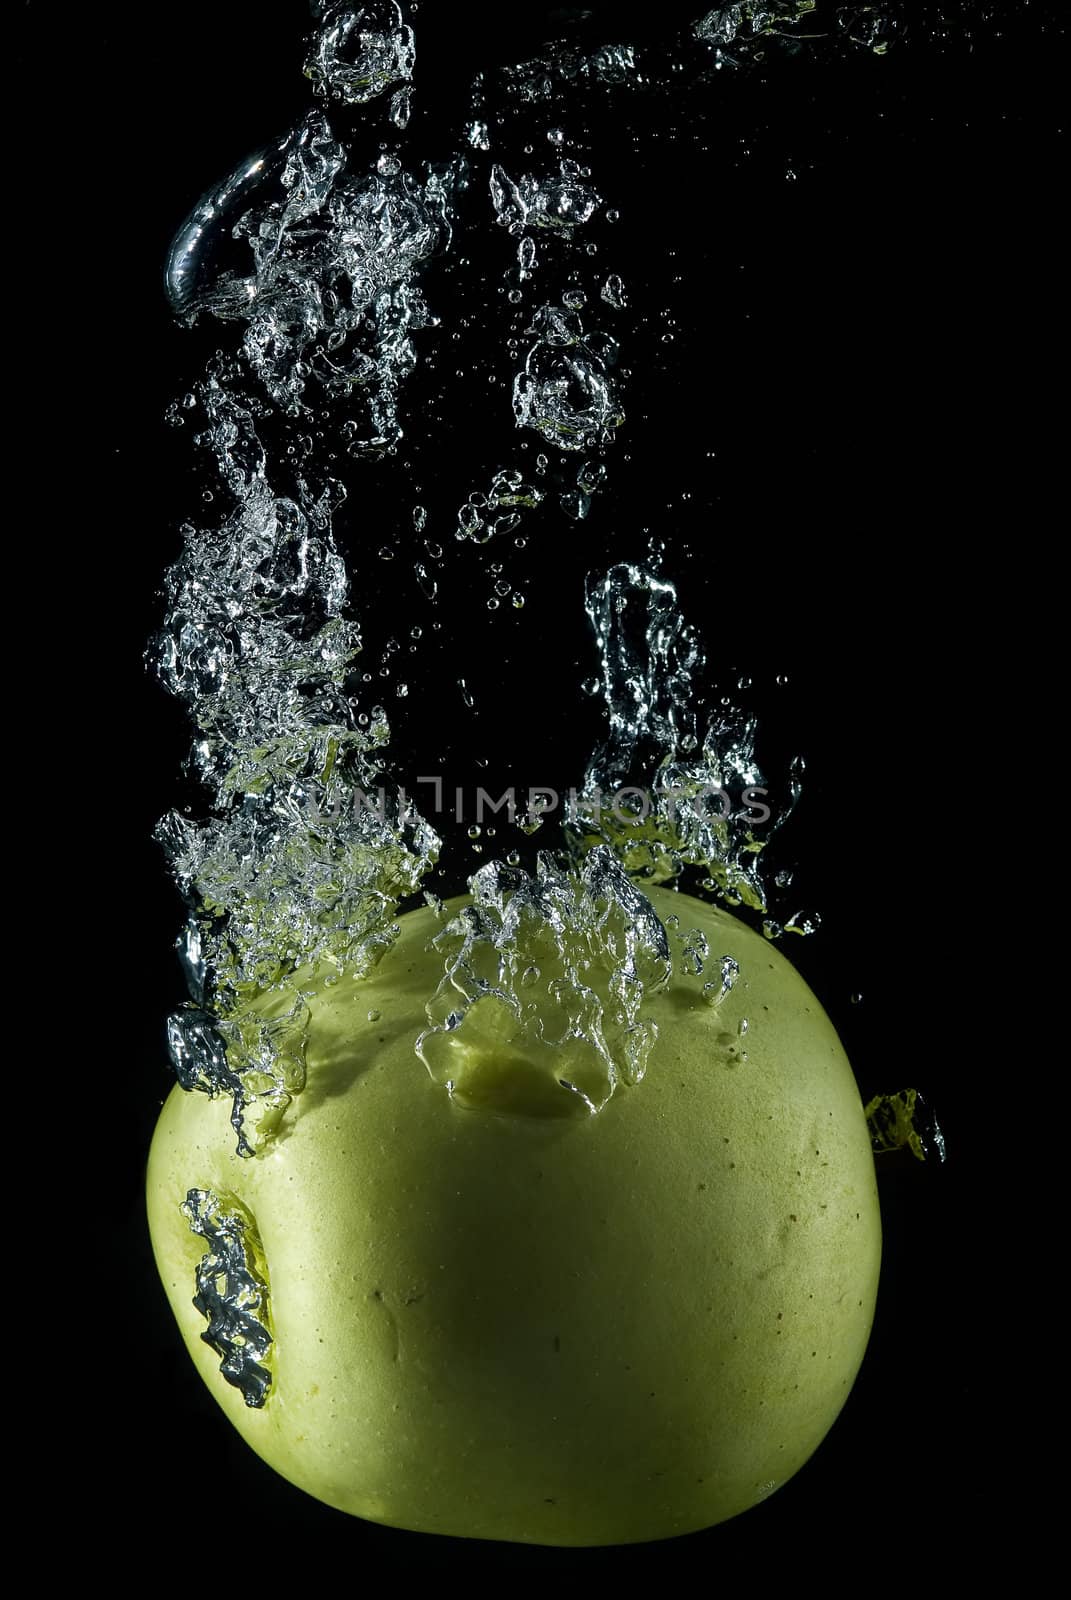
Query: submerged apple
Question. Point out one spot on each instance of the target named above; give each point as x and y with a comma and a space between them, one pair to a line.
492, 1320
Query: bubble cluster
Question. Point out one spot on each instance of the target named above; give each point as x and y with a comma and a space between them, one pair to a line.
327, 281
555, 958
232, 1293
288, 872
500, 510
566, 391
318, 252
756, 18
695, 769
560, 202
360, 52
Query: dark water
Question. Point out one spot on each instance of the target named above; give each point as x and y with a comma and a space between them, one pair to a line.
860, 348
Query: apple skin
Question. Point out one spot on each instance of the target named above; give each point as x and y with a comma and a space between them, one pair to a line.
575, 1330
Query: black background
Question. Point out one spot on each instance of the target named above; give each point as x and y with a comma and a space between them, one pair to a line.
875, 336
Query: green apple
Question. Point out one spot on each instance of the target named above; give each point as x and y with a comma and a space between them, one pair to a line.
494, 1321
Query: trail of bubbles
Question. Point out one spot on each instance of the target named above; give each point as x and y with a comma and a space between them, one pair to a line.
701, 792
320, 262
745, 37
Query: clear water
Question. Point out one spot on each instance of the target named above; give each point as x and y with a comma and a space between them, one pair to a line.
326, 259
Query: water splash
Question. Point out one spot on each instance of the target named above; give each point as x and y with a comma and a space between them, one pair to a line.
743, 38
742, 33
259, 642
232, 1293
259, 646
700, 795
537, 963
560, 202
500, 510
320, 257
199, 273
754, 19
360, 52
327, 281
566, 392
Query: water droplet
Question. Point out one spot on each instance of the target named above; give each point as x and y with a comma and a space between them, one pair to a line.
401, 107
613, 292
